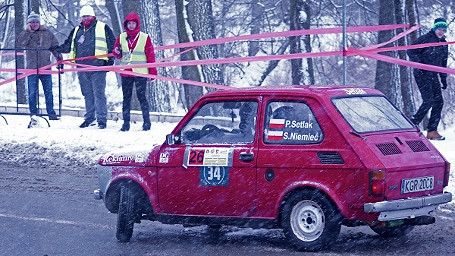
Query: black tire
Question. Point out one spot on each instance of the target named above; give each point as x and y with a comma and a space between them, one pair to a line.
126, 214
392, 232
310, 221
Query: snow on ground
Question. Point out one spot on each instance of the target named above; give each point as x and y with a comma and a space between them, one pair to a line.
65, 144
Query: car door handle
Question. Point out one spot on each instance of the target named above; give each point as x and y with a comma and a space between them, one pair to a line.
246, 157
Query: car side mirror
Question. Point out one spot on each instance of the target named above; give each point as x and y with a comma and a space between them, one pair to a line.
170, 139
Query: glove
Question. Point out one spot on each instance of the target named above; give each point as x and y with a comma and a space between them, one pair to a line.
444, 83
110, 62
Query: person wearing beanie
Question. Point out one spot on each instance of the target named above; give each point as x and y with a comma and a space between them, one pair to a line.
37, 36
83, 42
430, 83
134, 47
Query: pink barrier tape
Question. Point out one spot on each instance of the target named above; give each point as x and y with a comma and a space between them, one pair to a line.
177, 54
284, 34
406, 62
12, 53
402, 34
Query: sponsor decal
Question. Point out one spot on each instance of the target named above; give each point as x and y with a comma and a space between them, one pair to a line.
352, 91
164, 158
112, 159
208, 157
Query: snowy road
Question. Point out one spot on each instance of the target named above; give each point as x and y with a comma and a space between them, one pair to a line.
51, 211
47, 208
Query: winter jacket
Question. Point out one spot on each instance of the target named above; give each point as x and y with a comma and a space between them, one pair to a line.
435, 55
87, 47
131, 36
36, 39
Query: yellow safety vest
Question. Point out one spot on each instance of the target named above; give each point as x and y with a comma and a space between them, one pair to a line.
137, 55
100, 41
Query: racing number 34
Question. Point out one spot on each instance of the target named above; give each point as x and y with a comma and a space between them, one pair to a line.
214, 176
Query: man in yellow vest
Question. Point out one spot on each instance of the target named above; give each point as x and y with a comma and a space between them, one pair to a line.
134, 47
95, 39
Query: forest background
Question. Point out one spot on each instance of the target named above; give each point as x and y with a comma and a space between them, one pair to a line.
177, 21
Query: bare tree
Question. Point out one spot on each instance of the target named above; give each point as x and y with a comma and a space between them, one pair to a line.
201, 20
192, 93
405, 84
19, 22
160, 90
384, 71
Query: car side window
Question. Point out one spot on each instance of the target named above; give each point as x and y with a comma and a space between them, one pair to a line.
226, 122
291, 123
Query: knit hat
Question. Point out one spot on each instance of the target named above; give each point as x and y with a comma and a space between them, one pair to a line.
33, 17
440, 23
87, 10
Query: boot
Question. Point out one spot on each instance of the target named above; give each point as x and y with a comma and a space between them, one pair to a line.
434, 135
146, 126
125, 127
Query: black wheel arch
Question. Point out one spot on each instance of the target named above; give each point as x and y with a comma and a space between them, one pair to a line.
112, 197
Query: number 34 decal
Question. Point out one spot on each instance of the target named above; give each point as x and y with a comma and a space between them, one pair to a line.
214, 176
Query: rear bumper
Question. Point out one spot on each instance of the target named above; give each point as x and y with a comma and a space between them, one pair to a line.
407, 208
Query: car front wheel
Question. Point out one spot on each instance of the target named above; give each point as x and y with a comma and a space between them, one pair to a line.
310, 221
126, 214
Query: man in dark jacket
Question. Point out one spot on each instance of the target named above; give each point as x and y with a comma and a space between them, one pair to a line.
429, 82
37, 36
91, 38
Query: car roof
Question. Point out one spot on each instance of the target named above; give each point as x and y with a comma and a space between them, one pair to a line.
323, 91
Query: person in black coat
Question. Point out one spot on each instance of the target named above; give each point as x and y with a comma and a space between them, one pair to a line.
429, 82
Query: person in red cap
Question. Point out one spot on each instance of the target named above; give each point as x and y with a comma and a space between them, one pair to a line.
429, 82
134, 47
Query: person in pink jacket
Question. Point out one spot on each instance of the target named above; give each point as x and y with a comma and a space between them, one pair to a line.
134, 47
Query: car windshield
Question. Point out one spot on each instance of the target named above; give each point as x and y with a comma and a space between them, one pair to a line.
371, 114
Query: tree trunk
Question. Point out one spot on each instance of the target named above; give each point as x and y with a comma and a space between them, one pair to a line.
201, 21
307, 39
160, 90
19, 12
257, 10
405, 83
192, 92
116, 18
294, 41
384, 71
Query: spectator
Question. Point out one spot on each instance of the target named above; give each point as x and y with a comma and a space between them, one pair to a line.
37, 36
134, 47
91, 38
429, 82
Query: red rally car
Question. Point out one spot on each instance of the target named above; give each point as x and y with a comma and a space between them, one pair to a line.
303, 159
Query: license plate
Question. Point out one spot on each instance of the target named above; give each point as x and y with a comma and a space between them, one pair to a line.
417, 184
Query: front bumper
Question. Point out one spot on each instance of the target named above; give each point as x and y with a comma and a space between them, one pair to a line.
407, 208
104, 179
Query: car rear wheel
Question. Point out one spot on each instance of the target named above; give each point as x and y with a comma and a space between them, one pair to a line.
310, 221
126, 214
389, 232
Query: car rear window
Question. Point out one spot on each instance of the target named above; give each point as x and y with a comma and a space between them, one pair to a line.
371, 114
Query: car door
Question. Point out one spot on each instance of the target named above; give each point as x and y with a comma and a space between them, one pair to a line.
211, 170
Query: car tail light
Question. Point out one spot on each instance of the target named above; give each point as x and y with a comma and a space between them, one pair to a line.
447, 174
377, 182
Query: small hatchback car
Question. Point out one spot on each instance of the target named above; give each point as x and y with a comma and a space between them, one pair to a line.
303, 159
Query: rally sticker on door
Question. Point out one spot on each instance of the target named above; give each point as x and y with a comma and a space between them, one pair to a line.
214, 176
207, 157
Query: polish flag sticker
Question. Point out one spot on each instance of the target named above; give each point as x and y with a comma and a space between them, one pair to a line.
276, 123
274, 135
